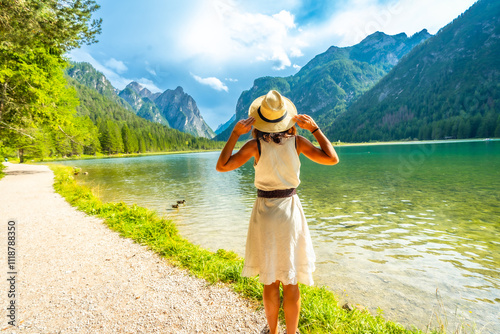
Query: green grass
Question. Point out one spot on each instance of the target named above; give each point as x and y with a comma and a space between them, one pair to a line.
320, 310
2, 167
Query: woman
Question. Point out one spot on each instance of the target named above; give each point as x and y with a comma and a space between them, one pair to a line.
279, 247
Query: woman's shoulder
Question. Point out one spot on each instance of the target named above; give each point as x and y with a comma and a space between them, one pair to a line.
251, 143
301, 142
301, 139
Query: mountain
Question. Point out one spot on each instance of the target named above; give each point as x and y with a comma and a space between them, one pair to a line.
150, 111
181, 112
447, 87
172, 107
141, 101
88, 76
330, 82
104, 125
224, 126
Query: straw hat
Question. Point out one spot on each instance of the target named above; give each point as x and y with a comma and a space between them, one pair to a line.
272, 112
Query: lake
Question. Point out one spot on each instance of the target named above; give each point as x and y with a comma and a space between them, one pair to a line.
411, 228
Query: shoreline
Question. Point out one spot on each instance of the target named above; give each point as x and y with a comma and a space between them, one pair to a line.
112, 156
321, 310
240, 143
410, 142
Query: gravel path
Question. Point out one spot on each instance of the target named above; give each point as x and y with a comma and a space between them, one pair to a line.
77, 276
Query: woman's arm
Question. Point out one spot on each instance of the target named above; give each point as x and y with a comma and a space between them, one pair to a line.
325, 155
228, 161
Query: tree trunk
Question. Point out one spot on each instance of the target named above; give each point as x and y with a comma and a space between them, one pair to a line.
21, 155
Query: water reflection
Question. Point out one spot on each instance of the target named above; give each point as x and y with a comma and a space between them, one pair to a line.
391, 224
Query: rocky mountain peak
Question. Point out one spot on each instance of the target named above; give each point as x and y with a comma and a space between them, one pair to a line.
139, 89
172, 107
420, 36
385, 50
182, 113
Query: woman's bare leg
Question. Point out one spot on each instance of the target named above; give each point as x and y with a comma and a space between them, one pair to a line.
271, 297
291, 307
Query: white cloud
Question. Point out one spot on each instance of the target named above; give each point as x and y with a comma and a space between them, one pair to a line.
150, 70
231, 80
117, 65
281, 60
148, 84
211, 82
286, 18
295, 52
360, 18
221, 32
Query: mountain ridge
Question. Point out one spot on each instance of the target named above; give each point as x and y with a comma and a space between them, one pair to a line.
172, 107
328, 83
182, 115
446, 87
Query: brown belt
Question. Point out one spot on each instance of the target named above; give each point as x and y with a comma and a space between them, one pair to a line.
280, 193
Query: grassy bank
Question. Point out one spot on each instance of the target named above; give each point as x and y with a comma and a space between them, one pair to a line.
2, 167
320, 310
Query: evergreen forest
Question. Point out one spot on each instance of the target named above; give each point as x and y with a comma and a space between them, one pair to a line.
45, 113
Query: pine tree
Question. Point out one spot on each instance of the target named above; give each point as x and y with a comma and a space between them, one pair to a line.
34, 36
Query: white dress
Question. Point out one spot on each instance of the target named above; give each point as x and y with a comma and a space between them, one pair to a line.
279, 245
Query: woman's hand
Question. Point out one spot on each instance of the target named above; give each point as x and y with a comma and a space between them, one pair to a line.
305, 122
228, 161
326, 154
243, 126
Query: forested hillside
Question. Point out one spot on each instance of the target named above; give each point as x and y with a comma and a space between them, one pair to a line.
118, 130
447, 87
41, 115
173, 108
37, 108
330, 82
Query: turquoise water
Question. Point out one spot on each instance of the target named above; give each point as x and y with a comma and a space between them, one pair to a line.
410, 228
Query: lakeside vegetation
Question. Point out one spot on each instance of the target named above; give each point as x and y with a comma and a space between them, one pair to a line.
2, 167
15, 159
44, 112
37, 108
320, 313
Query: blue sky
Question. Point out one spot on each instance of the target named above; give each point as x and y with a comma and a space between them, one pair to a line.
214, 49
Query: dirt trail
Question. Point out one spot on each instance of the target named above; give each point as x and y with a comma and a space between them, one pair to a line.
77, 276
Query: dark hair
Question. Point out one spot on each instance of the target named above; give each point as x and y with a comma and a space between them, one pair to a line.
276, 137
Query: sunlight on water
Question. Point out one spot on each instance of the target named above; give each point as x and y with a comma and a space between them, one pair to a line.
411, 228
